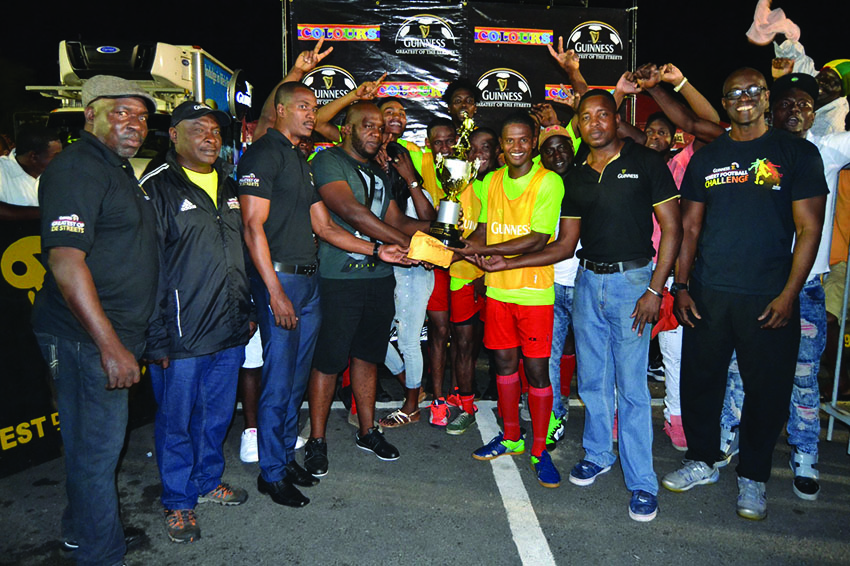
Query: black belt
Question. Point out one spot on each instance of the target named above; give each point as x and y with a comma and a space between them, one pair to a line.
617, 267
295, 269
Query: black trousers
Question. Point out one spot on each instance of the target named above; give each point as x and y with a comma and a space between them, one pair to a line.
767, 359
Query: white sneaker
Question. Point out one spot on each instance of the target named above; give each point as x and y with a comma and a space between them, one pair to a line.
248, 450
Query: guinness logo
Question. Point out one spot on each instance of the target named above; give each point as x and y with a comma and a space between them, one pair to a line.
504, 88
425, 34
329, 82
596, 40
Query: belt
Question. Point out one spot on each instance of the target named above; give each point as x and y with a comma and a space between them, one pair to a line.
307, 270
617, 267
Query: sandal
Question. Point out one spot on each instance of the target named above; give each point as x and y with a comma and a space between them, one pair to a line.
398, 418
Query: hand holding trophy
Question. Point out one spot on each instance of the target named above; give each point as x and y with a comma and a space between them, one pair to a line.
455, 174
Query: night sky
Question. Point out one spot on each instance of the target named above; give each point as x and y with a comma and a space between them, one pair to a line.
705, 45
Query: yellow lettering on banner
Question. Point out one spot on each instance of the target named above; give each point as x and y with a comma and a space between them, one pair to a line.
7, 437
37, 424
24, 433
12, 436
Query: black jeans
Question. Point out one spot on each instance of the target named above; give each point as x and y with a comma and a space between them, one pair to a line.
767, 360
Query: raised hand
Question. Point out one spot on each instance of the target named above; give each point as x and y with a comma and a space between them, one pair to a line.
647, 76
568, 60
369, 89
781, 66
307, 60
545, 114
627, 83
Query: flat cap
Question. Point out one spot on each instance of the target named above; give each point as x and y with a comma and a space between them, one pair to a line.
108, 86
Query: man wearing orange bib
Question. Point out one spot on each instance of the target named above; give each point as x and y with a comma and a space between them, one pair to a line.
520, 207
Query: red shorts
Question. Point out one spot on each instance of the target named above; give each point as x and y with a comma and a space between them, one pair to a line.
527, 327
439, 300
464, 304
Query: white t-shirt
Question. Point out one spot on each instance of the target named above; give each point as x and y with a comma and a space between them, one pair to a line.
16, 186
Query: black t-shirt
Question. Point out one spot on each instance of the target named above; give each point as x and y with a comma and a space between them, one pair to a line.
274, 168
748, 230
616, 206
91, 200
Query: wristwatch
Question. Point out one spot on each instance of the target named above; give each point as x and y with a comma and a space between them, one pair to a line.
676, 287
375, 250
413, 185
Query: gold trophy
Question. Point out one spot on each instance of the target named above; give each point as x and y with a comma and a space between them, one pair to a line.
455, 174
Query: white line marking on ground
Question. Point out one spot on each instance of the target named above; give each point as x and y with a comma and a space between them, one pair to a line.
530, 542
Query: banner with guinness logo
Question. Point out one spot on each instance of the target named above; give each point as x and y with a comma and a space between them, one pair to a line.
425, 45
419, 44
515, 37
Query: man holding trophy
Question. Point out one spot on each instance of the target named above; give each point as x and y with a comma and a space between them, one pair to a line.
520, 207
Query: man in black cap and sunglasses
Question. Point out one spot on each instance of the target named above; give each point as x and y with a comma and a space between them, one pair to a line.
748, 199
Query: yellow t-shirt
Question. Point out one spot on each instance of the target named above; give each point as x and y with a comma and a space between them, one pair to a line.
207, 181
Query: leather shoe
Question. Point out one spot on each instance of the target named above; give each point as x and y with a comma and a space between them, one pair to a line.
299, 476
282, 492
316, 457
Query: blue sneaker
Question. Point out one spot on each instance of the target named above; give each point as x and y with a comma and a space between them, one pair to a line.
643, 507
499, 447
584, 473
547, 474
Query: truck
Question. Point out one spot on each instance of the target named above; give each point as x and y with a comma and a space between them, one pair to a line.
170, 73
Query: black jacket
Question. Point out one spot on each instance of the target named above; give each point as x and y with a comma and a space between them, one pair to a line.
203, 300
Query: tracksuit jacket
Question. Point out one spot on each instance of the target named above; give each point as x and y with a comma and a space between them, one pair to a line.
203, 301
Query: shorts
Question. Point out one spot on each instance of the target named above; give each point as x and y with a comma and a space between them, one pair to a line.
439, 301
358, 316
254, 352
463, 304
833, 287
527, 327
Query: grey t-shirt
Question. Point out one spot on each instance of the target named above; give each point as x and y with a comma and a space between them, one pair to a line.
371, 188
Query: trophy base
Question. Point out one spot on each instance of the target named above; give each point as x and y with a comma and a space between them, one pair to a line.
447, 234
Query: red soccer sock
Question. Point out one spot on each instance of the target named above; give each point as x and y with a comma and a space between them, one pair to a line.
467, 403
568, 368
509, 392
540, 407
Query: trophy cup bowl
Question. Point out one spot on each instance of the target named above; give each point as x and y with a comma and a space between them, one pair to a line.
455, 175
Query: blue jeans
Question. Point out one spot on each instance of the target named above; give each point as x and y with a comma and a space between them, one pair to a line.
93, 426
803, 422
560, 331
413, 286
287, 357
195, 399
609, 352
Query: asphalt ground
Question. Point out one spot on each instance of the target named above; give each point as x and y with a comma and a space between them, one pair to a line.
436, 505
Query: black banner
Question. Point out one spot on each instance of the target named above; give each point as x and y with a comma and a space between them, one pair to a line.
425, 45
29, 423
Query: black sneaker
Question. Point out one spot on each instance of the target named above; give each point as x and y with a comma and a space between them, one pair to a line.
316, 457
375, 442
299, 476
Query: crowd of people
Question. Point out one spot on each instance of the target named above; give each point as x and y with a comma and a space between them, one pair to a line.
582, 238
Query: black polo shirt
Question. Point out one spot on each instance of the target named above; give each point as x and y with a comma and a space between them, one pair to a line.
616, 206
91, 200
274, 168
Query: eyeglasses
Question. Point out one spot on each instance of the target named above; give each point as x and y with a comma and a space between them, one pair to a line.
801, 105
752, 92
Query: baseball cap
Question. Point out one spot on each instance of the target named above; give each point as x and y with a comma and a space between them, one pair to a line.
550, 131
801, 81
191, 110
108, 86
